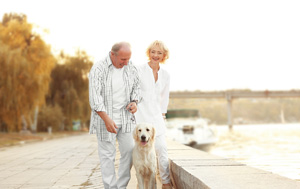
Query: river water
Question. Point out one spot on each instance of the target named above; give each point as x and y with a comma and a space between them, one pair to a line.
270, 147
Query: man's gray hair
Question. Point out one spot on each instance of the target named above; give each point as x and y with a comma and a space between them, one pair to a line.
116, 47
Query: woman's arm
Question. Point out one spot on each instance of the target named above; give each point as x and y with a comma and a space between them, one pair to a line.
165, 93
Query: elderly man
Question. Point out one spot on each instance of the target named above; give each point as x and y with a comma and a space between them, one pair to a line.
114, 91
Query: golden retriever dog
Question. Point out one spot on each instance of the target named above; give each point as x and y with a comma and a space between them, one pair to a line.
143, 156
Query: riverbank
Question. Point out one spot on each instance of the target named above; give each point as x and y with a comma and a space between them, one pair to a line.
12, 139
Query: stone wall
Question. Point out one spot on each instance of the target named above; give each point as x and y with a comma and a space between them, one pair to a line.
194, 169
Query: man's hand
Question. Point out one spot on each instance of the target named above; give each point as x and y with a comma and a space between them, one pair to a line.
111, 126
132, 107
109, 123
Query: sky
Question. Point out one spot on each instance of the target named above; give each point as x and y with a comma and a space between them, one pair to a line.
214, 45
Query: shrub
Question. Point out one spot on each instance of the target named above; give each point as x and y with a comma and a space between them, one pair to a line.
50, 116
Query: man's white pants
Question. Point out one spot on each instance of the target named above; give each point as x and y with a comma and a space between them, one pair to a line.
163, 160
107, 154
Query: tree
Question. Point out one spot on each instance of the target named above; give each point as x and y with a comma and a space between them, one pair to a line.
69, 87
50, 116
26, 63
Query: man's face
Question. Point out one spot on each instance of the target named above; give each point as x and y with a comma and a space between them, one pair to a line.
121, 58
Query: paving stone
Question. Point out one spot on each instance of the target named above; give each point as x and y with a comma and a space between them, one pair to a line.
73, 162
70, 162
10, 186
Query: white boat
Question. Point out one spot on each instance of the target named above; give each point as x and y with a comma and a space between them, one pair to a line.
192, 132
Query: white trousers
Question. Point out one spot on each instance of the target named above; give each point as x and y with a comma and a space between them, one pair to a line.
163, 160
107, 154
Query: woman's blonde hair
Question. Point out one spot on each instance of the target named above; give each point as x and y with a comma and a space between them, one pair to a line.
163, 47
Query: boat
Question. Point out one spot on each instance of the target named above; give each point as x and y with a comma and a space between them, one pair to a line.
195, 133
188, 128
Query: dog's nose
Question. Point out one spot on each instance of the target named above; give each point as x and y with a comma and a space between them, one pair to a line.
143, 137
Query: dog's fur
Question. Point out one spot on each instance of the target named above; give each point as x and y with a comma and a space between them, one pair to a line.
143, 156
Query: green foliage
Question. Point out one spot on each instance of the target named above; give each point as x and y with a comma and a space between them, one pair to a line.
50, 116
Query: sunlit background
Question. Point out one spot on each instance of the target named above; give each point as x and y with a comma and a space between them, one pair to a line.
214, 45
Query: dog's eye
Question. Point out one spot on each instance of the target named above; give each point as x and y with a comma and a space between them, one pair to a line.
140, 130
147, 129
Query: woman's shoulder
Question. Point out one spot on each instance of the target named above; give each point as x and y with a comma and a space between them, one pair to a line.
164, 72
141, 67
144, 65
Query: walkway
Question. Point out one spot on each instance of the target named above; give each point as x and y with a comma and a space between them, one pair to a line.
70, 162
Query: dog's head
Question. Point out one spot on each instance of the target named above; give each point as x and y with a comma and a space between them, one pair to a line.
144, 133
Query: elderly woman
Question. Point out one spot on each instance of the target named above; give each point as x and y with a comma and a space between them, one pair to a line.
155, 83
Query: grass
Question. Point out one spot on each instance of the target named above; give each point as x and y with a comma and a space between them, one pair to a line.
10, 139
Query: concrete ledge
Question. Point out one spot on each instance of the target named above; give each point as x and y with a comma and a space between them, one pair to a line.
194, 169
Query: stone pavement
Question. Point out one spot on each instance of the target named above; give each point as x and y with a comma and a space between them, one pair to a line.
70, 162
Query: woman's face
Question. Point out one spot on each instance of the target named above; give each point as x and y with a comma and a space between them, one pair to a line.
156, 54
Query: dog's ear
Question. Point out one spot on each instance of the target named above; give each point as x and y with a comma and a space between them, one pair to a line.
135, 134
153, 133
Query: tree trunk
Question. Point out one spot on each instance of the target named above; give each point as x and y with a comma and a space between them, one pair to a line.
34, 124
